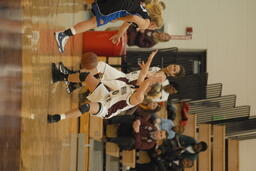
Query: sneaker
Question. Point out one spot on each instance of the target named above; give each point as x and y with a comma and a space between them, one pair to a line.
61, 39
83, 97
64, 69
71, 87
57, 75
53, 118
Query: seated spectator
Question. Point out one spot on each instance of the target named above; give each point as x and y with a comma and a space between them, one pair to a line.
180, 147
168, 125
145, 38
136, 132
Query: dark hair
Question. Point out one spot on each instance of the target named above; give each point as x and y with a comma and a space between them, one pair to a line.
203, 145
165, 88
177, 75
181, 73
175, 85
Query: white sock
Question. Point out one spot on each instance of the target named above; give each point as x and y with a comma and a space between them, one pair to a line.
73, 30
62, 116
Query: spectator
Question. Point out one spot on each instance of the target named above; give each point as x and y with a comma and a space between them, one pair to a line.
181, 147
145, 38
136, 132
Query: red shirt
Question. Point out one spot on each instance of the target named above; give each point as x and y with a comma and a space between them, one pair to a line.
143, 139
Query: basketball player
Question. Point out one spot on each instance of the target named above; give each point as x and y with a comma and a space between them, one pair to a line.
106, 103
106, 72
105, 11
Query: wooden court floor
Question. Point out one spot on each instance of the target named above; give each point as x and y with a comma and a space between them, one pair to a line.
27, 49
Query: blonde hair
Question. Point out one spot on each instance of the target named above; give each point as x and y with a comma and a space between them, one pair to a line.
155, 91
162, 4
157, 40
155, 11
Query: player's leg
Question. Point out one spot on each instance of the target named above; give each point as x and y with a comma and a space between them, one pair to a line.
72, 87
85, 77
92, 108
62, 37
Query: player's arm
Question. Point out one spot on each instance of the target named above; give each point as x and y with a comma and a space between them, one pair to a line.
145, 67
138, 96
141, 22
121, 31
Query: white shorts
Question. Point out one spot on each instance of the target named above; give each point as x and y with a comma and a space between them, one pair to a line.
109, 75
112, 102
109, 72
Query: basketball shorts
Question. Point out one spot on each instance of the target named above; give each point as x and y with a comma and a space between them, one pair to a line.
112, 102
104, 19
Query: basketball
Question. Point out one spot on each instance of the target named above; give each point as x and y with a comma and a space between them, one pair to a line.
89, 60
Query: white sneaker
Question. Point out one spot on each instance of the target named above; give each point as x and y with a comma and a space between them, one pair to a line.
61, 39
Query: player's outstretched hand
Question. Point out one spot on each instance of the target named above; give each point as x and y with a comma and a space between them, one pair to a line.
145, 66
116, 38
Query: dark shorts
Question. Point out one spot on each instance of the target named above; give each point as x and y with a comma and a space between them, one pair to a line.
104, 19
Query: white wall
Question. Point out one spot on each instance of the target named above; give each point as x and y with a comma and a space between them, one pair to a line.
247, 155
227, 29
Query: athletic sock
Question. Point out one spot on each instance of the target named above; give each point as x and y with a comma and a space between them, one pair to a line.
62, 116
70, 32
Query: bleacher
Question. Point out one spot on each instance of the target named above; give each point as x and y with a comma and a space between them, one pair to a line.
213, 159
221, 154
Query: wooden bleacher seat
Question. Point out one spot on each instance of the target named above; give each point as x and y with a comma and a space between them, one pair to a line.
233, 155
111, 130
111, 148
143, 157
96, 128
129, 158
89, 1
218, 148
190, 130
204, 160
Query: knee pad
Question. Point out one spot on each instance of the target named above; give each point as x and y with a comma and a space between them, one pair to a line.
84, 108
83, 76
102, 111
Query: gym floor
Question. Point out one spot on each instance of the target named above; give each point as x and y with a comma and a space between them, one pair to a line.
27, 49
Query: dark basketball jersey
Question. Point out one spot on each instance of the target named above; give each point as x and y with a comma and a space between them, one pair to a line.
131, 6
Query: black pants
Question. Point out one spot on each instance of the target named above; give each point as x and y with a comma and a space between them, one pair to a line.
146, 167
125, 139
